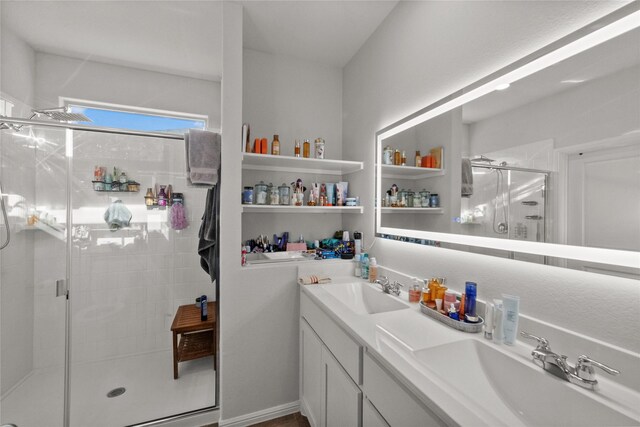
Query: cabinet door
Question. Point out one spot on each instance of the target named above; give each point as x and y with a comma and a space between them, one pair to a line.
311, 378
343, 398
370, 416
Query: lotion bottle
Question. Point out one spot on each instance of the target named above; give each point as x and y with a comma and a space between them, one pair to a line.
498, 334
373, 270
511, 308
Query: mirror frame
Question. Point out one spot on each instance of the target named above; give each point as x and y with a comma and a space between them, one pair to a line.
610, 26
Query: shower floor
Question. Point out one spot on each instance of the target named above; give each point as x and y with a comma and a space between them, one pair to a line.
151, 392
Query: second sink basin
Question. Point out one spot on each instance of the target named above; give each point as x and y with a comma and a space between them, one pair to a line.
514, 391
362, 298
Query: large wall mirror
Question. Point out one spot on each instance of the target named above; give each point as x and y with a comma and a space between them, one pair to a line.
539, 161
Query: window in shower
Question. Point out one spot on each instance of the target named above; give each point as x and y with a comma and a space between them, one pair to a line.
138, 120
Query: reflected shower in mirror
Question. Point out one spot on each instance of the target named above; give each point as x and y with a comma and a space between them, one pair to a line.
553, 157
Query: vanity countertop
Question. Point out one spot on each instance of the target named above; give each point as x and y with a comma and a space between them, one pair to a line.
395, 338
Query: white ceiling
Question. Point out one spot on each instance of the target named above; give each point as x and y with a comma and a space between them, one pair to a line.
184, 37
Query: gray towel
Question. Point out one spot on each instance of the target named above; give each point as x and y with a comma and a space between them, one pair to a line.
208, 234
467, 178
203, 156
117, 215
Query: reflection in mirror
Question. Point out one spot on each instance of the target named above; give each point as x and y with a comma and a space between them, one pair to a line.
553, 157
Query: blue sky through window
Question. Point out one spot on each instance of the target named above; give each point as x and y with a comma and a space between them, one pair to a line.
138, 121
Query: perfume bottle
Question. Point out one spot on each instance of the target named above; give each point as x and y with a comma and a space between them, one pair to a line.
162, 196
148, 198
296, 151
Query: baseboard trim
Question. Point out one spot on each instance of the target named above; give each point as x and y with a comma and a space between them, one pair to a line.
261, 416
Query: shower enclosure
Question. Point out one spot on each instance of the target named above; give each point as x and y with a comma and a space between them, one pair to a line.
86, 308
507, 202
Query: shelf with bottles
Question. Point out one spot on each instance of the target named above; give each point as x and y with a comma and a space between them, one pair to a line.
118, 182
401, 210
279, 163
301, 209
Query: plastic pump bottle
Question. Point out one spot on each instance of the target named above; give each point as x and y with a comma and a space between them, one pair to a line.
373, 270
364, 260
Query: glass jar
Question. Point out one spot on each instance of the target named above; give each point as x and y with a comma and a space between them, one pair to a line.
434, 201
410, 196
402, 198
260, 193
397, 158
417, 200
285, 194
274, 197
247, 196
424, 198
387, 156
319, 148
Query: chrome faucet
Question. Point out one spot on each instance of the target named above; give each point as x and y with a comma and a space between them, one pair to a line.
581, 374
389, 288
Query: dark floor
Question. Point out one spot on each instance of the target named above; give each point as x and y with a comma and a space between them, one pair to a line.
293, 420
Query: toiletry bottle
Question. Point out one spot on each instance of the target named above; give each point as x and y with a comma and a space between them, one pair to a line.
306, 148
275, 146
296, 149
418, 159
203, 308
488, 321
357, 238
470, 291
364, 260
498, 334
403, 159
511, 307
397, 158
373, 270
358, 266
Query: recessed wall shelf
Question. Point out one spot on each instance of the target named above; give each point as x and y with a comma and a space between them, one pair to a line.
409, 172
412, 210
301, 209
267, 162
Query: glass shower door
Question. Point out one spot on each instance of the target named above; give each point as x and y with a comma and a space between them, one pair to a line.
32, 340
131, 268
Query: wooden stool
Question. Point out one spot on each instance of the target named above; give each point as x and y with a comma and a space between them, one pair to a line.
198, 338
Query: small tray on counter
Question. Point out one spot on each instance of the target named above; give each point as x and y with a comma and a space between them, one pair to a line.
456, 324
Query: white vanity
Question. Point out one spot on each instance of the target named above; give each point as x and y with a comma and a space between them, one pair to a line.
372, 359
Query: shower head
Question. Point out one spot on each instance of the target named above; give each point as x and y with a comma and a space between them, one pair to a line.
62, 114
482, 159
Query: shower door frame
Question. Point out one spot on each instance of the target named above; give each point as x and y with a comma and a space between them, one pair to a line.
545, 197
16, 123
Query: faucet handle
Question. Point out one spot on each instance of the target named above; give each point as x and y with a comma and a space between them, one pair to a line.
382, 280
543, 343
584, 368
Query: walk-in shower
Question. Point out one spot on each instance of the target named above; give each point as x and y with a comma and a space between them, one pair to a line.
65, 359
506, 202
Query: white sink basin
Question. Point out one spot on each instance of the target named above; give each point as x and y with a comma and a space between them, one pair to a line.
364, 299
513, 391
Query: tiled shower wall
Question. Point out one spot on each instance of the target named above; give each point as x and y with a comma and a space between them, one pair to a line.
127, 284
16, 265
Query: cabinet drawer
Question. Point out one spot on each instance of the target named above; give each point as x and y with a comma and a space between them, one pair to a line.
342, 346
396, 404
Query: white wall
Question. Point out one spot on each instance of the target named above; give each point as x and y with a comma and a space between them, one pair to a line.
294, 99
94, 81
605, 108
426, 50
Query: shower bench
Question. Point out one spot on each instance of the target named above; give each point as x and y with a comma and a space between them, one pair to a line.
197, 337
